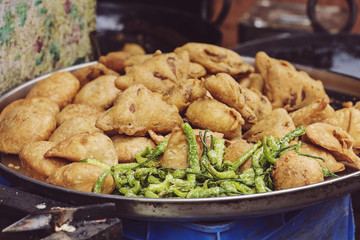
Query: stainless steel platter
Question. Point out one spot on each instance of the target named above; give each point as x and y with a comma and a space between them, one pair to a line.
202, 209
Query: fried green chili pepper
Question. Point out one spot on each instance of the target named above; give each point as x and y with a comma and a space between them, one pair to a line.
255, 161
152, 155
152, 179
96, 162
291, 135
100, 181
311, 156
298, 145
179, 193
139, 157
260, 184
202, 193
120, 178
204, 156
191, 177
150, 194
124, 166
248, 177
227, 165
267, 152
216, 155
281, 151
130, 176
209, 192
205, 161
210, 177
268, 178
162, 174
273, 143
131, 192
179, 173
183, 185
159, 187
220, 175
327, 173
243, 188
159, 149
245, 156
145, 171
229, 186
193, 152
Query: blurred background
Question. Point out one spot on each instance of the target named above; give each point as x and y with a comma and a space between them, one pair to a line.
241, 21
334, 14
40, 36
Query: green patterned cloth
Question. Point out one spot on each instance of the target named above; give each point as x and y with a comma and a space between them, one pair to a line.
40, 36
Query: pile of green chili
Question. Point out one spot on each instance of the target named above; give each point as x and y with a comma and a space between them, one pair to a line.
207, 176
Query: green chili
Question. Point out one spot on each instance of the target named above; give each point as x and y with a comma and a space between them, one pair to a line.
256, 159
243, 188
260, 184
150, 194
159, 187
179, 173
120, 179
159, 149
298, 145
179, 193
183, 185
327, 173
145, 171
311, 156
131, 192
216, 155
100, 181
273, 143
193, 152
152, 179
281, 151
209, 176
248, 177
220, 175
124, 166
139, 155
269, 181
162, 174
136, 187
205, 161
229, 186
227, 165
96, 162
245, 156
291, 135
267, 152
130, 176
202, 193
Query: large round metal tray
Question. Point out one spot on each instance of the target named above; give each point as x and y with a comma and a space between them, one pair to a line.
344, 88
